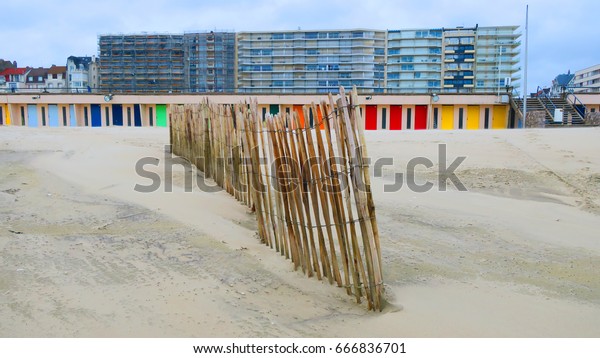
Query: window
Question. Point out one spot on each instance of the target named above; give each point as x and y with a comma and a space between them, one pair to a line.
459, 82
261, 52
486, 123
106, 116
43, 116
129, 116
407, 67
85, 116
394, 51
460, 57
417, 74
408, 118
408, 59
358, 34
466, 40
435, 118
151, 116
383, 118
312, 35
460, 117
479, 83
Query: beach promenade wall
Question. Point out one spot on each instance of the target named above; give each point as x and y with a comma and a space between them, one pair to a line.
381, 112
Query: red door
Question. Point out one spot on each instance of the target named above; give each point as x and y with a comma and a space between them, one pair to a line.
420, 117
371, 118
395, 117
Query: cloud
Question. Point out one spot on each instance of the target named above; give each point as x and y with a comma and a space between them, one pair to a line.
41, 33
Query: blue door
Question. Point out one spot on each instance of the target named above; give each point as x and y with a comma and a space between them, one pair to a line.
117, 112
137, 115
32, 118
72, 115
96, 115
53, 115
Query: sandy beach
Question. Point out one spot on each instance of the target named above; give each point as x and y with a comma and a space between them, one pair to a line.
82, 254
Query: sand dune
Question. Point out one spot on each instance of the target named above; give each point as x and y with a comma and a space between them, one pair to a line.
84, 255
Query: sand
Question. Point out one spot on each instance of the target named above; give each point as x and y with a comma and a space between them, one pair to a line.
84, 255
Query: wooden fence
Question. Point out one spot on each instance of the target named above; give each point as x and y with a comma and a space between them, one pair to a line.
308, 183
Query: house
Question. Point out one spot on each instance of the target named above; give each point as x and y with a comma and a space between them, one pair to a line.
35, 80
82, 74
56, 79
562, 83
15, 78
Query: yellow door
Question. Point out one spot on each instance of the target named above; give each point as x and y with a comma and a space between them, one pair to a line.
6, 115
499, 120
473, 117
447, 117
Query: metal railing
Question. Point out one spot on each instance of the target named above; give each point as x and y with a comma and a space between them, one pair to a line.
576, 103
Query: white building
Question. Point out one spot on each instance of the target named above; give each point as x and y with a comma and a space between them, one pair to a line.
587, 80
82, 74
56, 79
15, 78
449, 60
310, 61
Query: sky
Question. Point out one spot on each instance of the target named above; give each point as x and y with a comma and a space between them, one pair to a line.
563, 35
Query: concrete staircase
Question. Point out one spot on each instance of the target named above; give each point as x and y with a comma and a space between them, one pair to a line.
571, 115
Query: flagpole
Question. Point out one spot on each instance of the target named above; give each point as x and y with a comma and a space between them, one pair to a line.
525, 69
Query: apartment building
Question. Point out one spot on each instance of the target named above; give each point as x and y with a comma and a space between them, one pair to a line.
144, 63
310, 61
587, 80
497, 51
175, 63
414, 61
453, 60
209, 61
450, 60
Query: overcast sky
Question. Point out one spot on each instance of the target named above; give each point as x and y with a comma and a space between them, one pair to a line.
563, 35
